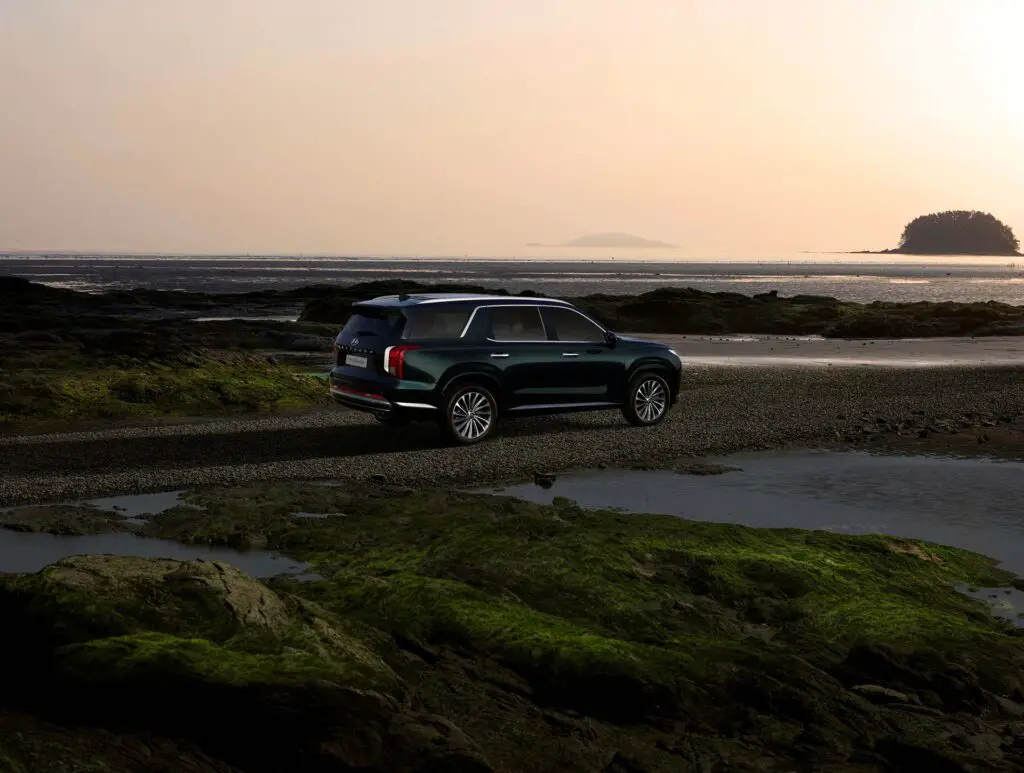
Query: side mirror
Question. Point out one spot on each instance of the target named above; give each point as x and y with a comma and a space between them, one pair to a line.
609, 338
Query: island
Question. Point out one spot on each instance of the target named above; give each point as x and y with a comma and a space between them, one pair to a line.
954, 232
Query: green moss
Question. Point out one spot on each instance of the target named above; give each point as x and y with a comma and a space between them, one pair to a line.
232, 384
171, 616
151, 657
561, 593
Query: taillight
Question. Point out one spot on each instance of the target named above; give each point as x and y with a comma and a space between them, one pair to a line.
394, 359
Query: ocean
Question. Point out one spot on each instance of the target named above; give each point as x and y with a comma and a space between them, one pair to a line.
861, 278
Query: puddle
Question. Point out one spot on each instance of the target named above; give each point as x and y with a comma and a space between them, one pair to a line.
28, 552
134, 505
976, 504
31, 551
1004, 603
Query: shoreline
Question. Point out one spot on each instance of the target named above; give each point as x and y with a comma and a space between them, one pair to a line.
722, 410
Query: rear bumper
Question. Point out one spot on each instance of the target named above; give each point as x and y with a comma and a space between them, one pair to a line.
380, 402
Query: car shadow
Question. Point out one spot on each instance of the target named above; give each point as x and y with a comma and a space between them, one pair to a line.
259, 447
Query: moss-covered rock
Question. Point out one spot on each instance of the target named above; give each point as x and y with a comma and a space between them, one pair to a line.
107, 615
552, 638
194, 642
63, 520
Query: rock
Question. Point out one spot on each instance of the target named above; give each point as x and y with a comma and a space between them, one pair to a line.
905, 756
198, 641
63, 520
878, 694
915, 708
1008, 707
705, 469
622, 763
309, 344
432, 744
544, 479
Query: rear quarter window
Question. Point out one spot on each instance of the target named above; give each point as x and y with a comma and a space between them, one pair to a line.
427, 323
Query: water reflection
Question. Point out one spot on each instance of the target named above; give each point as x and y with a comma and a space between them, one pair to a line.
975, 504
30, 552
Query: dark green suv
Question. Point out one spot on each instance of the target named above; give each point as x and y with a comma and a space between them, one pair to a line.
465, 360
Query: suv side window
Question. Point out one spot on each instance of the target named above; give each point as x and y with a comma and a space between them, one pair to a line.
567, 325
517, 323
430, 323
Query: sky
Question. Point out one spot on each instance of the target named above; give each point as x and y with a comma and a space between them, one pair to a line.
451, 127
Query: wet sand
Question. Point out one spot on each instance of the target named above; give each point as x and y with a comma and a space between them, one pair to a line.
778, 351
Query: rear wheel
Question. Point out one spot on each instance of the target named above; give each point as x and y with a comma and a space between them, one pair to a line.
647, 400
471, 413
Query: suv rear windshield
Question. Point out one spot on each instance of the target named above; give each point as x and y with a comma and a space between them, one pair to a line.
370, 321
429, 322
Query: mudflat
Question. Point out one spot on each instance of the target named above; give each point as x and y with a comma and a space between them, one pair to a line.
779, 351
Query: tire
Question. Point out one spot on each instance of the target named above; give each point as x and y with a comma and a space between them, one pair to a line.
647, 400
470, 414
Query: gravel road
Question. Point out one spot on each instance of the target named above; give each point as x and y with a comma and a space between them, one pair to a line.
722, 410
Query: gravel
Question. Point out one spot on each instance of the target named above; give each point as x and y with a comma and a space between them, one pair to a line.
722, 410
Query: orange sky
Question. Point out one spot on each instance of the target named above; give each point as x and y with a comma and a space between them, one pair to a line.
729, 127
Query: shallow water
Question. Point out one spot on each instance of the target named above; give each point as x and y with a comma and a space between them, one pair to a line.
30, 552
975, 504
135, 505
24, 552
1004, 603
851, 277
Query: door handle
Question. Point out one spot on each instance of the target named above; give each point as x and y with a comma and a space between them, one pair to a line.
504, 354
570, 354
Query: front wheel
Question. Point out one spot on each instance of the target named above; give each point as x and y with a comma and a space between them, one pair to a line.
646, 400
471, 413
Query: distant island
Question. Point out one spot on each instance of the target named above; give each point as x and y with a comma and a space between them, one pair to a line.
611, 240
954, 232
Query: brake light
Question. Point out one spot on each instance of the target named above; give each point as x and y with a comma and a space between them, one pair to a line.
394, 359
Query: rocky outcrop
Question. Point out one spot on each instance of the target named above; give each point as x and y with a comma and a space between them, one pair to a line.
689, 311
198, 650
458, 632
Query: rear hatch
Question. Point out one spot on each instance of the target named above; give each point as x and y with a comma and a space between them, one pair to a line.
359, 347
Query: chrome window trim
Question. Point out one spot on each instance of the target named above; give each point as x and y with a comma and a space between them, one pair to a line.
457, 298
526, 301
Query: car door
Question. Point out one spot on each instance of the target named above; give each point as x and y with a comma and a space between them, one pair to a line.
520, 348
590, 369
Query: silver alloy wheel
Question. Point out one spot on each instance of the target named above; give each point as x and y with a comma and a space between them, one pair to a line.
471, 415
649, 400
